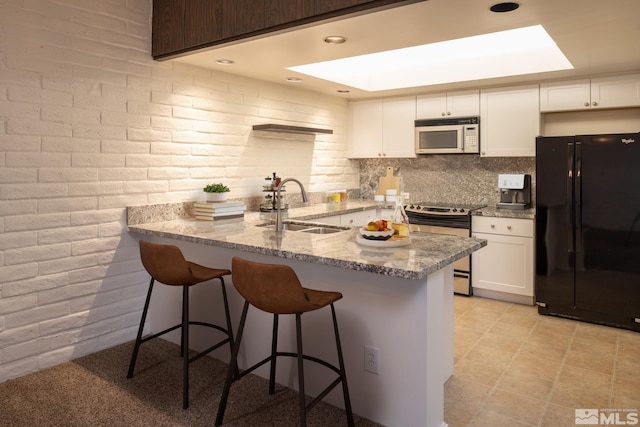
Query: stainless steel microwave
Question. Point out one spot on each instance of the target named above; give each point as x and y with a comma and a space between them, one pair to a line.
450, 135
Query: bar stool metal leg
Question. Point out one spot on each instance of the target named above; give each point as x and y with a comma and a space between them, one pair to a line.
343, 373
301, 400
136, 347
185, 346
222, 406
274, 351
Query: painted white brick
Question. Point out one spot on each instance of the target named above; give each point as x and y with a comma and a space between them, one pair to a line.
18, 368
24, 287
68, 114
136, 134
18, 272
14, 175
94, 188
69, 292
13, 304
32, 191
36, 314
35, 347
67, 323
146, 187
67, 204
97, 217
67, 264
67, 234
97, 160
76, 174
78, 349
37, 221
168, 173
172, 147
138, 107
20, 110
148, 160
18, 335
122, 174
36, 253
109, 202
19, 142
128, 119
88, 274
27, 159
39, 96
70, 145
102, 132
111, 229
96, 245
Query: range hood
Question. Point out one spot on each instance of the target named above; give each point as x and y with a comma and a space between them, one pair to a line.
290, 129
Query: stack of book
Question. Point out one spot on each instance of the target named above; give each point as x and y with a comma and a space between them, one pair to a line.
208, 211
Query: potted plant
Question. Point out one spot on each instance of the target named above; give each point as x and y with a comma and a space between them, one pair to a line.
216, 192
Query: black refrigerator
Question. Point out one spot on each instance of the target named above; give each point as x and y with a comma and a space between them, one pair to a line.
588, 228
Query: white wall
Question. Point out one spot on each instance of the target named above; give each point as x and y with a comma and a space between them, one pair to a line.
89, 124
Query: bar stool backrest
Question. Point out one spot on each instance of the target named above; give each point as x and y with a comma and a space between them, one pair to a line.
166, 264
270, 287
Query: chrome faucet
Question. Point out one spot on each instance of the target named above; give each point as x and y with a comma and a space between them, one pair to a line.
305, 199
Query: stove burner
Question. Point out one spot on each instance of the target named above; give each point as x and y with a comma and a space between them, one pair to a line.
427, 209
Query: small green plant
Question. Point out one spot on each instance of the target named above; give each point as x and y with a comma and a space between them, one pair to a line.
216, 188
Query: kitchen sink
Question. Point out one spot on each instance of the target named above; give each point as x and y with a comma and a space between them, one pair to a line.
308, 228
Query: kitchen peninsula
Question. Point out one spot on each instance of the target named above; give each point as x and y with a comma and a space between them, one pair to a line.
397, 300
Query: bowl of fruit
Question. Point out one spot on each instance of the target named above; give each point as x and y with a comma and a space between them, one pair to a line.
377, 230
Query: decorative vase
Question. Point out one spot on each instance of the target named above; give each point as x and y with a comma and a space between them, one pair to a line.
216, 197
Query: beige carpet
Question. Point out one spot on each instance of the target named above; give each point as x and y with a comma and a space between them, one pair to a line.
94, 391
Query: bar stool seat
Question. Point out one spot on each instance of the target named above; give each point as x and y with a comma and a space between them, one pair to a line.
166, 264
276, 289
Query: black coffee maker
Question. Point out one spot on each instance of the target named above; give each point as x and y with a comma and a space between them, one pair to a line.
515, 191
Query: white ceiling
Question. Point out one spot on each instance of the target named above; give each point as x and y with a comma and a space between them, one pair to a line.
597, 36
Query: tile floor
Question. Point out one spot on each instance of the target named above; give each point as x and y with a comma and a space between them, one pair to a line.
514, 367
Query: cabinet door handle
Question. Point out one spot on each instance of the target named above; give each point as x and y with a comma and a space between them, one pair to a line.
442, 114
448, 113
594, 103
586, 104
493, 226
508, 227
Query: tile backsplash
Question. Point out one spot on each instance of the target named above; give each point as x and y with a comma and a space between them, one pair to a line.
452, 178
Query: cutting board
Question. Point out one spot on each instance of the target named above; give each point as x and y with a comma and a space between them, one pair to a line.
389, 182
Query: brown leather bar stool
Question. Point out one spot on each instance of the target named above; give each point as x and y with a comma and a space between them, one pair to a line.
277, 290
166, 264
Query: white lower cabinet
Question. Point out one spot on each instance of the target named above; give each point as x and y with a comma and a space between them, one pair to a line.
504, 269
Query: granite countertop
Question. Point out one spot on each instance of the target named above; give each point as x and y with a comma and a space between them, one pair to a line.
426, 254
506, 213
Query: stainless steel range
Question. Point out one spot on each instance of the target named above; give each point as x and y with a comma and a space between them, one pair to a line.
446, 219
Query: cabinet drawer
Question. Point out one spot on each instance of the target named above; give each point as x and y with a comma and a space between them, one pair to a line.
504, 226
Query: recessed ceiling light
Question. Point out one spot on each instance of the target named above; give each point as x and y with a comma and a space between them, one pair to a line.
506, 53
225, 62
293, 79
504, 7
335, 39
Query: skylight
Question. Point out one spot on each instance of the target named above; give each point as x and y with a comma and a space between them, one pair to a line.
506, 53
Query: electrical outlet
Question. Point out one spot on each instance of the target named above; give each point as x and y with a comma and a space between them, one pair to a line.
372, 359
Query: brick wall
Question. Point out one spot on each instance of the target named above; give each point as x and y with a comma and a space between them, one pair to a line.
89, 124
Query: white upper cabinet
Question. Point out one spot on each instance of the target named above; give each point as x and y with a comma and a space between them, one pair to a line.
509, 121
585, 94
383, 128
450, 104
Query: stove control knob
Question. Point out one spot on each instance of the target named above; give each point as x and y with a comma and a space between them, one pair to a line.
418, 207
411, 207
455, 210
461, 210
